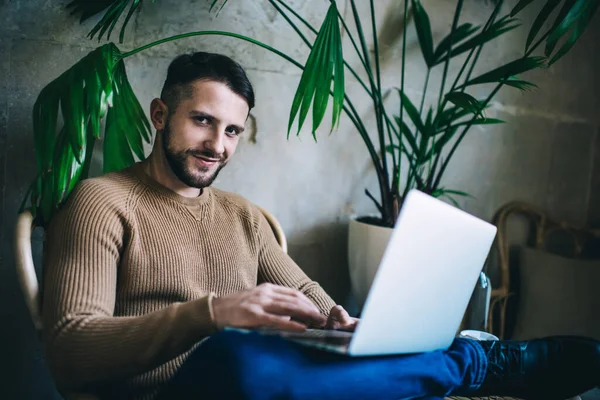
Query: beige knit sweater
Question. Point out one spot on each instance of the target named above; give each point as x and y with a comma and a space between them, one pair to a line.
130, 271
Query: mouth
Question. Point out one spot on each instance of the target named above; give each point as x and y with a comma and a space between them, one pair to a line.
206, 162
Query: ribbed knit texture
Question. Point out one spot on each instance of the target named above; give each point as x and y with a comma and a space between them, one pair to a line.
129, 273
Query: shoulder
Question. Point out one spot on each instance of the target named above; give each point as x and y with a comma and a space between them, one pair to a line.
237, 204
114, 192
97, 205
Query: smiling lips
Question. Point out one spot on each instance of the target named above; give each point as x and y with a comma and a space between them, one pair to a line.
205, 161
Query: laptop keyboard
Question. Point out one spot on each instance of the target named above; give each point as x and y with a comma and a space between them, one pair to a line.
308, 334
321, 333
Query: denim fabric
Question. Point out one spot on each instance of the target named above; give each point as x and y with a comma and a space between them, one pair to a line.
233, 365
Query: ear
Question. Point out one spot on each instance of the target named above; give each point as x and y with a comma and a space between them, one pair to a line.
158, 114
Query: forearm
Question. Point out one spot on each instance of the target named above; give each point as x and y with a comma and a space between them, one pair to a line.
84, 348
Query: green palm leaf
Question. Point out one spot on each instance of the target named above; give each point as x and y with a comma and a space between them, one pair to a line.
422, 155
478, 121
423, 26
88, 8
499, 28
114, 10
575, 34
450, 115
444, 139
540, 20
506, 71
324, 59
83, 94
466, 101
449, 194
412, 112
520, 84
520, 6
576, 10
126, 125
428, 126
565, 10
405, 132
460, 34
578, 18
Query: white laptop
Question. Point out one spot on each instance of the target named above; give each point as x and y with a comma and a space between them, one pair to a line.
422, 286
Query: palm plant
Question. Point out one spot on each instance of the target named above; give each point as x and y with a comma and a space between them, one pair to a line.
409, 150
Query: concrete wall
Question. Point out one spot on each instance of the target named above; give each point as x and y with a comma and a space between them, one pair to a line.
594, 202
544, 154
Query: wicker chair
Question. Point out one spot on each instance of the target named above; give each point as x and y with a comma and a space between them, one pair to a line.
28, 279
542, 229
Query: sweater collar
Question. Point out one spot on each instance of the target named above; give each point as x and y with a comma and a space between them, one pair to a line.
138, 170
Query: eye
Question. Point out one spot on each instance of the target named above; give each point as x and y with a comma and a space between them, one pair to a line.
201, 120
231, 131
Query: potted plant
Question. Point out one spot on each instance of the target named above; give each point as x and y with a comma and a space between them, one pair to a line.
412, 147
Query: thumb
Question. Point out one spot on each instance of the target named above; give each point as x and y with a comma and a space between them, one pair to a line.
339, 314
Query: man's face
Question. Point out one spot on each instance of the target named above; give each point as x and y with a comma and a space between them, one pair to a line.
202, 133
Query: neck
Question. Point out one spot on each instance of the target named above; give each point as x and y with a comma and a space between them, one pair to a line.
157, 167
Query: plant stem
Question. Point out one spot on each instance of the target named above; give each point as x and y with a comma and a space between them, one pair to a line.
290, 9
291, 23
312, 29
462, 69
478, 49
402, 90
447, 63
378, 104
409, 179
355, 118
208, 33
425, 90
462, 135
361, 36
442, 98
385, 201
370, 196
390, 138
486, 102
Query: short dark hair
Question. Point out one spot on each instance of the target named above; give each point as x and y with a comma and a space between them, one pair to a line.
188, 68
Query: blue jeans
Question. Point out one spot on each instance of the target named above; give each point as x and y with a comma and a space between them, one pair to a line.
232, 365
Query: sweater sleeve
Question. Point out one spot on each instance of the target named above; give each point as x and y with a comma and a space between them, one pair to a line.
85, 343
275, 266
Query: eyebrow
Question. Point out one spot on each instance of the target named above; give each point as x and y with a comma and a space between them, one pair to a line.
197, 113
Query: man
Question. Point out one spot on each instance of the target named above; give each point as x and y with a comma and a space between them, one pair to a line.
144, 264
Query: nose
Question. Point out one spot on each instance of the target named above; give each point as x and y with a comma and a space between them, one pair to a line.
215, 143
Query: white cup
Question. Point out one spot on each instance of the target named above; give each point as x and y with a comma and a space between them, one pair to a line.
476, 335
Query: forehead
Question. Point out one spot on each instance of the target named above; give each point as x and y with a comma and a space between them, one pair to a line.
217, 99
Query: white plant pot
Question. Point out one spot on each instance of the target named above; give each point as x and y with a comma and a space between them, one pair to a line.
366, 245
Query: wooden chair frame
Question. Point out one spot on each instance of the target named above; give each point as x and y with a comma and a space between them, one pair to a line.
544, 226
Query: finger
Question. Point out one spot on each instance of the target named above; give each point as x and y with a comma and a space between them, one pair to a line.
271, 290
281, 322
340, 319
296, 294
338, 314
343, 316
282, 306
350, 327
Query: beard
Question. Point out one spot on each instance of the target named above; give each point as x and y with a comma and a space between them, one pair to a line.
197, 177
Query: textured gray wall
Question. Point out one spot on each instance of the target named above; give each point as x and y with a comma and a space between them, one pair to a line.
543, 155
594, 202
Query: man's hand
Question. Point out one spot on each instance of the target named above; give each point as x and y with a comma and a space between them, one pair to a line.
267, 305
340, 319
